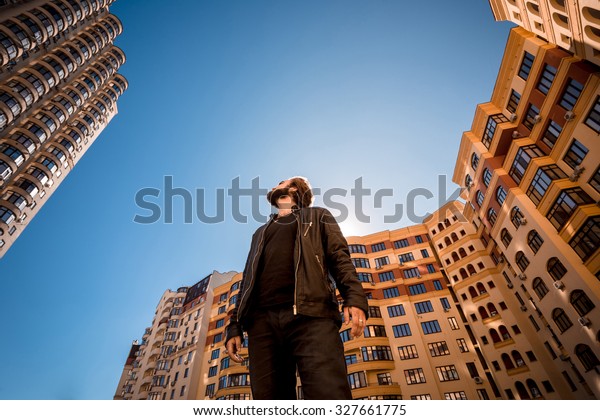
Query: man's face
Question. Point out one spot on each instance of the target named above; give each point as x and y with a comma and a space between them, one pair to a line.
281, 194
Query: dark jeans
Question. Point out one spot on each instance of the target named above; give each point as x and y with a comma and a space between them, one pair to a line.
279, 341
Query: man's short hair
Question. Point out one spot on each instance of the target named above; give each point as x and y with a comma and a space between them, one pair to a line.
304, 196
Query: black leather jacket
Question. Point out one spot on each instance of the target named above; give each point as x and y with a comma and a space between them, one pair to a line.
322, 263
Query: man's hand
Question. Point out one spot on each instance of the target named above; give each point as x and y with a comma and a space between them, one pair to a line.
357, 316
234, 344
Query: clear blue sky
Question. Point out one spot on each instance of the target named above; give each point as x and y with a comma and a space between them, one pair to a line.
219, 90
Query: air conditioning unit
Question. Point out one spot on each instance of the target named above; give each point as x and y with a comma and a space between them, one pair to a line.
524, 308
478, 380
185, 362
401, 262
537, 119
577, 171
512, 117
418, 276
172, 383
559, 285
569, 115
583, 321
393, 280
48, 183
516, 134
523, 276
522, 221
501, 259
446, 309
509, 285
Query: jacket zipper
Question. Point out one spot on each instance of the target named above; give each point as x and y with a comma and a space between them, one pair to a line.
307, 228
262, 237
295, 308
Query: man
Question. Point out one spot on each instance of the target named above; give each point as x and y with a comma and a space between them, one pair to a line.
287, 302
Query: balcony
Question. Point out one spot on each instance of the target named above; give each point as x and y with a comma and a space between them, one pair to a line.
372, 389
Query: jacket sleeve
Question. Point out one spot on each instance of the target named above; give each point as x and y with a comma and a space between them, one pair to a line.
234, 329
339, 263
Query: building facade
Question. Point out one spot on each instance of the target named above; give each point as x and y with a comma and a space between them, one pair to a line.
59, 89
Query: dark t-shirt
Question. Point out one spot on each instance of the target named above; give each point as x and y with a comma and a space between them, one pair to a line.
276, 274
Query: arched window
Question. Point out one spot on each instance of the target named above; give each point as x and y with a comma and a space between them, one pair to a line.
500, 195
471, 270
455, 256
479, 197
555, 268
468, 181
462, 252
481, 288
492, 308
447, 223
561, 319
517, 358
535, 241
440, 227
522, 391
586, 356
506, 237
454, 237
472, 291
517, 218
533, 388
522, 260
486, 177
492, 216
482, 312
539, 287
581, 302
504, 332
474, 161
447, 241
508, 363
495, 336
463, 273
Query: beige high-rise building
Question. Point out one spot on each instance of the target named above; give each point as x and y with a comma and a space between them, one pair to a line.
58, 90
573, 25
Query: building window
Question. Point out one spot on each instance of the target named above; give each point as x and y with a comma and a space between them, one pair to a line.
414, 376
586, 356
431, 327
357, 380
539, 287
411, 273
402, 243
384, 378
423, 307
345, 336
480, 197
587, 239
522, 159
535, 241
500, 195
513, 101
430, 268
506, 237
522, 260
595, 180
351, 359
487, 177
516, 217
447, 373
357, 249
453, 323
380, 262
419, 239
526, 64
561, 319
396, 310
531, 117
462, 345
391, 292
378, 247
424, 253
581, 302
375, 331
212, 371
406, 257
546, 79
387, 276
416, 289
6, 215
542, 180
361, 263
593, 118
492, 216
408, 352
575, 154
374, 312
439, 348
571, 94
474, 161
550, 136
402, 330
376, 353
565, 205
365, 277
490, 128
445, 303
437, 285
210, 391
